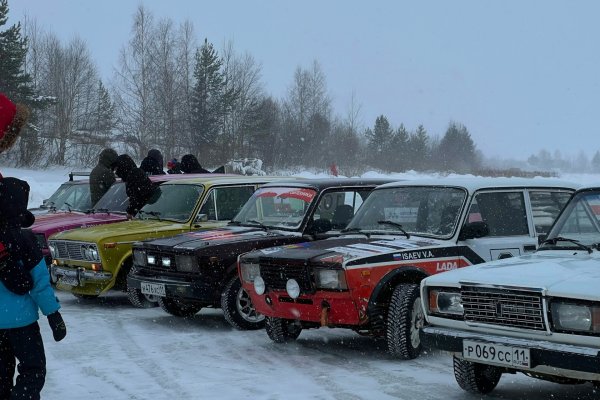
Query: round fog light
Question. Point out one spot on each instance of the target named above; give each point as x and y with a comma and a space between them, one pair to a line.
259, 285
292, 288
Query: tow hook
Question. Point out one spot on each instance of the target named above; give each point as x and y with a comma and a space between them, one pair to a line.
325, 307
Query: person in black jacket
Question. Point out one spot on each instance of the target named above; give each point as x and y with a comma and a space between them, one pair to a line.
190, 165
138, 186
102, 177
153, 163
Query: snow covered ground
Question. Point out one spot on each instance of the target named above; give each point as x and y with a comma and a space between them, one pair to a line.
115, 351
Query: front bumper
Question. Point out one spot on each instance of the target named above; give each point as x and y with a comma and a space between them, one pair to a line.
84, 277
196, 290
549, 358
324, 308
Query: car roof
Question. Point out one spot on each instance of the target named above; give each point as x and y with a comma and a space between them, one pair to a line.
175, 177
475, 183
222, 179
324, 183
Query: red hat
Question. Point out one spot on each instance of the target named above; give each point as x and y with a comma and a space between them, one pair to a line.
12, 119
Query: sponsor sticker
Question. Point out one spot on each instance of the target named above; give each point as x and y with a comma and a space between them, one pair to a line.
351, 252
414, 255
271, 250
371, 247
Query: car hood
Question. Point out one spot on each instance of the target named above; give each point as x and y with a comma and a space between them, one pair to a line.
52, 223
130, 229
354, 250
558, 273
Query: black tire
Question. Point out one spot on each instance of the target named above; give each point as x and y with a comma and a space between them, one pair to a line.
404, 321
140, 300
238, 308
474, 377
179, 308
282, 330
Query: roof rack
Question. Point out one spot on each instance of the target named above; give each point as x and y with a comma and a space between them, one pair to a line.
73, 173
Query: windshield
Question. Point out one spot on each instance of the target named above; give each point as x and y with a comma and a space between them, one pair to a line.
426, 211
114, 200
277, 207
74, 198
56, 195
580, 221
171, 202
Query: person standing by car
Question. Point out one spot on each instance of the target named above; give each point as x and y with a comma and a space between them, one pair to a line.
153, 163
137, 185
191, 165
24, 288
102, 177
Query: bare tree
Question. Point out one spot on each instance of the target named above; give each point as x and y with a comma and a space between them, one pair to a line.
133, 84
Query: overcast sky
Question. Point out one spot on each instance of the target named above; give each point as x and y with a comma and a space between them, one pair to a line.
521, 75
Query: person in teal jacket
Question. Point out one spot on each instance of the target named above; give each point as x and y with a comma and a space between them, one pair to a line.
24, 290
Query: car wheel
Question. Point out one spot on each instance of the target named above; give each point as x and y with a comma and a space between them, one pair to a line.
282, 330
474, 377
141, 300
238, 308
404, 321
178, 308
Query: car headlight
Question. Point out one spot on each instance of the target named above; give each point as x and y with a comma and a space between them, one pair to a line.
93, 253
166, 262
52, 248
139, 257
249, 271
445, 301
185, 263
334, 279
575, 317
151, 259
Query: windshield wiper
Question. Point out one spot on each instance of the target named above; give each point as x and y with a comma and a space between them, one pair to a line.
395, 224
577, 243
349, 231
68, 206
236, 223
260, 224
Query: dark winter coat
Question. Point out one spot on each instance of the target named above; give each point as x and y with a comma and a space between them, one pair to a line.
138, 186
102, 176
153, 163
190, 165
24, 280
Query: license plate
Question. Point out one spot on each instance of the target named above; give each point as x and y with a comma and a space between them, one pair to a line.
496, 354
156, 289
69, 281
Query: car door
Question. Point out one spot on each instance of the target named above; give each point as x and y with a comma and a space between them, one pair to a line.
505, 214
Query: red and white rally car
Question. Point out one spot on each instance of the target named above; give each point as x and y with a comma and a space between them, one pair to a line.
368, 278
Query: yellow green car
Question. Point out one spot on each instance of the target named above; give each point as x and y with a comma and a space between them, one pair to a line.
89, 261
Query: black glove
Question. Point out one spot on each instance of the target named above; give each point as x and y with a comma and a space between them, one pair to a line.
57, 324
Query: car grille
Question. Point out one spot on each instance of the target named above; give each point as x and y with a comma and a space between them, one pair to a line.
511, 308
277, 275
69, 250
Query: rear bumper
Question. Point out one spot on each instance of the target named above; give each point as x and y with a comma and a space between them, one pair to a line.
196, 290
549, 358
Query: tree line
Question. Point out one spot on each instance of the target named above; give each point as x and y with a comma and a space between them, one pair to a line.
173, 92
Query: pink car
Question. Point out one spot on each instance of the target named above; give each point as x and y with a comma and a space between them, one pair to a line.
110, 208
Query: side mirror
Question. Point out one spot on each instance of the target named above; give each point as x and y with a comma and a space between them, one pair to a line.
320, 226
542, 239
201, 218
474, 230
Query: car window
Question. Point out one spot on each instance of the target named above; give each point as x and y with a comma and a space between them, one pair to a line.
172, 202
77, 197
579, 221
223, 203
503, 212
339, 206
545, 206
429, 211
115, 199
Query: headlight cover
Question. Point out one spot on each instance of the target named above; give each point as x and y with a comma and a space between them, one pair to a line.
445, 301
249, 271
333, 279
89, 252
139, 257
575, 317
52, 248
185, 263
